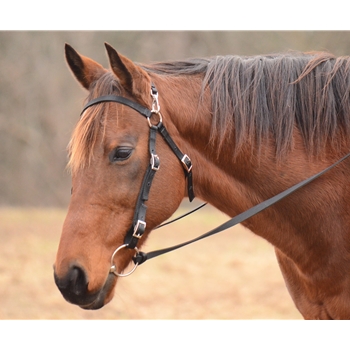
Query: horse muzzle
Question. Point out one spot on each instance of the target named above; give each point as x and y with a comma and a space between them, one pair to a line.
74, 288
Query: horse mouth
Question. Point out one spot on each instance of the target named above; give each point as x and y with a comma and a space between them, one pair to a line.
81, 296
98, 303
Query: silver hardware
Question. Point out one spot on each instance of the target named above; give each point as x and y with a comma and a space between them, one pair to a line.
155, 108
155, 103
183, 160
155, 162
113, 268
136, 228
159, 116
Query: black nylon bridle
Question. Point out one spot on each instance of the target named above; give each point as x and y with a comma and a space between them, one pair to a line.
139, 221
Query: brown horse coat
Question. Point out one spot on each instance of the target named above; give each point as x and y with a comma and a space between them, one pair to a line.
252, 126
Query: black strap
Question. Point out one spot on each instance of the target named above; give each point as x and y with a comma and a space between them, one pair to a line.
139, 222
181, 216
119, 99
141, 257
183, 158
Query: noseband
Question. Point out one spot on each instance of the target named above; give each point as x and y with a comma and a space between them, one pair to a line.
138, 226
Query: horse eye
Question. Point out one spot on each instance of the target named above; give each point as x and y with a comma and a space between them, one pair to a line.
120, 154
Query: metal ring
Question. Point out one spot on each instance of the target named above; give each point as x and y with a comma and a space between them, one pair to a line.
159, 121
113, 268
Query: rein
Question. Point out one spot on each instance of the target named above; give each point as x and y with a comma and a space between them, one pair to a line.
139, 221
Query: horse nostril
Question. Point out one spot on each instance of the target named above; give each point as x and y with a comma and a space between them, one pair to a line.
78, 282
73, 285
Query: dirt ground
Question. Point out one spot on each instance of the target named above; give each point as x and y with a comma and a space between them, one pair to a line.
229, 276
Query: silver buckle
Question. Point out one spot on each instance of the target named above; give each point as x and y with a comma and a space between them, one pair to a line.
184, 159
137, 226
155, 162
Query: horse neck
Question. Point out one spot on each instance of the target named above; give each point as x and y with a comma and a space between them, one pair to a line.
234, 184
184, 112
187, 114
218, 177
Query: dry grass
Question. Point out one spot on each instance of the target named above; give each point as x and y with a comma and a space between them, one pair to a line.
232, 275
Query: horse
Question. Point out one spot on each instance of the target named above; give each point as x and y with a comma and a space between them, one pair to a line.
236, 130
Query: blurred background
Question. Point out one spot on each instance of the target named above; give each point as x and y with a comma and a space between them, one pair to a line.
40, 101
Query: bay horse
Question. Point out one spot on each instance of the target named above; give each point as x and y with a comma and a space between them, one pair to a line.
236, 131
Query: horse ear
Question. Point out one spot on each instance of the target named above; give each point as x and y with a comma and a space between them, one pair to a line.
84, 69
133, 78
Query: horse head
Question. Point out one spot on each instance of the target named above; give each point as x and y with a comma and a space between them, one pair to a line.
108, 159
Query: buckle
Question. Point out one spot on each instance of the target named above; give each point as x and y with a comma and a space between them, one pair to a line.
155, 162
186, 161
139, 229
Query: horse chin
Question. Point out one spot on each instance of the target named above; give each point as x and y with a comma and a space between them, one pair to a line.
98, 303
103, 297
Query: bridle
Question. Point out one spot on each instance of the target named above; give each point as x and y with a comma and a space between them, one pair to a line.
138, 226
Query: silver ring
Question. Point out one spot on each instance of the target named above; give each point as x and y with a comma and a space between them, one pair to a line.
149, 119
113, 268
